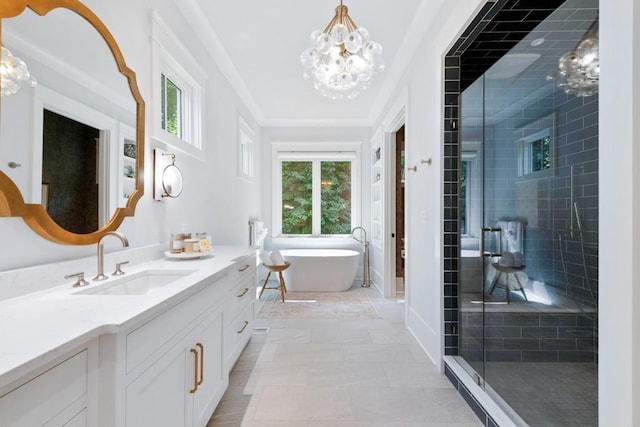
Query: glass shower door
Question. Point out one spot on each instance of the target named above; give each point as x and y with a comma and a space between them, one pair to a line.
529, 198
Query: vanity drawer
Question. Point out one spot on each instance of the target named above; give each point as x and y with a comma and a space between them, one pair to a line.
243, 268
47, 395
159, 332
237, 334
240, 295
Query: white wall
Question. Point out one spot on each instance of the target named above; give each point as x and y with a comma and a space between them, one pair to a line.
619, 296
210, 201
423, 189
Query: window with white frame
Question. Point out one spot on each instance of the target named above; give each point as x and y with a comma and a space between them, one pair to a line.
465, 172
535, 144
171, 101
470, 192
178, 91
316, 193
245, 150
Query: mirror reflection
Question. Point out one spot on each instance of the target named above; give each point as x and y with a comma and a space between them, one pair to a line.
73, 134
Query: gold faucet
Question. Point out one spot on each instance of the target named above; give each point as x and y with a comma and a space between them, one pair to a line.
125, 243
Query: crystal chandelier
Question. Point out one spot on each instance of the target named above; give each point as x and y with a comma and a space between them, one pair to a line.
579, 69
13, 71
342, 58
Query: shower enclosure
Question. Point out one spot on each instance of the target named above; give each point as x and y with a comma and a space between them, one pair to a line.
528, 218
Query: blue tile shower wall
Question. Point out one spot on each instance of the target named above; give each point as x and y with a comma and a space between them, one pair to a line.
555, 254
577, 152
553, 251
528, 337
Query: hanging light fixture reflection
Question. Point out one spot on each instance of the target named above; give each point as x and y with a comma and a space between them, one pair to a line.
342, 58
13, 71
579, 69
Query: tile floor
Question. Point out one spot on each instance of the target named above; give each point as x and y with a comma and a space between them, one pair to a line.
549, 394
339, 372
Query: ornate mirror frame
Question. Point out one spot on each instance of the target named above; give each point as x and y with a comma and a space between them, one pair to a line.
12, 202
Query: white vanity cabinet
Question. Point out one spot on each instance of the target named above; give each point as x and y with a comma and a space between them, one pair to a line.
239, 312
184, 386
174, 363
159, 359
173, 369
62, 393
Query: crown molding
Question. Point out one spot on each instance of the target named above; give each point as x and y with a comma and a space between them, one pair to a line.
397, 71
202, 28
393, 78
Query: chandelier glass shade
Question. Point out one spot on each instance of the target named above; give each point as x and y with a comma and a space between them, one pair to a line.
341, 59
579, 69
13, 72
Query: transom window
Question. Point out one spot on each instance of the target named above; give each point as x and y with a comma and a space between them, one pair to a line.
465, 167
315, 193
178, 94
535, 145
535, 154
245, 150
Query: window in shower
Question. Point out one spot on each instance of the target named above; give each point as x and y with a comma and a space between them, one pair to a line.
536, 147
464, 197
470, 186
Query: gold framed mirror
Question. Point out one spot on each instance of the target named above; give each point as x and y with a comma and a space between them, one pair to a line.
72, 91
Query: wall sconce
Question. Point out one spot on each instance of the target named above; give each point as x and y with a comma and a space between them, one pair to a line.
167, 181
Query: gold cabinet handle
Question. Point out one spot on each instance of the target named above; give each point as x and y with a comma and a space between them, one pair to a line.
243, 293
243, 268
199, 345
246, 323
195, 371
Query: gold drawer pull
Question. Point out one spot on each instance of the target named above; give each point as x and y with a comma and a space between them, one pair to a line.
201, 362
246, 323
243, 268
195, 371
243, 293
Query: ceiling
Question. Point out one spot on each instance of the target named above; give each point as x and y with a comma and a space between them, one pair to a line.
257, 45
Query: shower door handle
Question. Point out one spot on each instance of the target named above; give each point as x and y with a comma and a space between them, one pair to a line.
490, 230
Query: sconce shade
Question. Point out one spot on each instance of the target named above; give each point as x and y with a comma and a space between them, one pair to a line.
171, 181
167, 177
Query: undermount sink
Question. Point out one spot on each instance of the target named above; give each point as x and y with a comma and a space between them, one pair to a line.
141, 283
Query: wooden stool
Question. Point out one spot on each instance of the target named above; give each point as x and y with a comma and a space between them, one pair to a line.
273, 269
508, 270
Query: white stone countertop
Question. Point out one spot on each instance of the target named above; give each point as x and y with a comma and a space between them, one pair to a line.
39, 327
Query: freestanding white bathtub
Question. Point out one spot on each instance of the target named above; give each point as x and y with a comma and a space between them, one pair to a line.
320, 270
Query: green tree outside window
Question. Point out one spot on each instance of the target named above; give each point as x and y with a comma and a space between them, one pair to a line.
171, 107
335, 197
